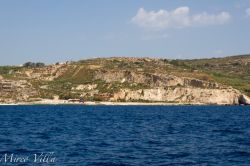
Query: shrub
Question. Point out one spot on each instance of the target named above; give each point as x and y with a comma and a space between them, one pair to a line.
69, 95
33, 65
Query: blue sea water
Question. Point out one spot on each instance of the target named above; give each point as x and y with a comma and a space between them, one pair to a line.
125, 135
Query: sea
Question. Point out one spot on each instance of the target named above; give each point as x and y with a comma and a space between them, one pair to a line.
79, 135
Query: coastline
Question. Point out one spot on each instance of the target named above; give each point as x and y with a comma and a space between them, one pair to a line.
108, 103
97, 103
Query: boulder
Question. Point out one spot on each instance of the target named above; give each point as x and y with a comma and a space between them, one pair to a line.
243, 99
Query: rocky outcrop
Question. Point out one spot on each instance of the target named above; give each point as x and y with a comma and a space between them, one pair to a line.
243, 99
12, 91
153, 80
87, 87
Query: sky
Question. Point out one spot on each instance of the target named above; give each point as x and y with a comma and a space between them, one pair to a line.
53, 31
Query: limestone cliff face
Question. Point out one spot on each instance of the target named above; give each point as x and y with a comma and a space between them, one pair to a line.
181, 95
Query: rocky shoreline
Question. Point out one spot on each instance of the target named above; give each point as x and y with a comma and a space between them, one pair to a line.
108, 103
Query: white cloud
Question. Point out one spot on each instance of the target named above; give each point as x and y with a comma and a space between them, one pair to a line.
178, 18
248, 12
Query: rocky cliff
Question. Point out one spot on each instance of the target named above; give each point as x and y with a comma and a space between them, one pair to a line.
182, 95
172, 89
13, 91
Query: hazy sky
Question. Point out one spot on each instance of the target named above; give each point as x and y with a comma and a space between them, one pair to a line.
59, 30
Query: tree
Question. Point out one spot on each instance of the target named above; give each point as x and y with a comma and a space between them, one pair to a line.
32, 64
29, 64
39, 64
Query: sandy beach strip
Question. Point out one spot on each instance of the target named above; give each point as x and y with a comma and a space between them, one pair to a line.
65, 102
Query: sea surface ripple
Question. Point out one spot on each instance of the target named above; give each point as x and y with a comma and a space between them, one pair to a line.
127, 135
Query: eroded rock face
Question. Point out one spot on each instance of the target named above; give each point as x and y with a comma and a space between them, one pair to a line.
152, 80
12, 91
181, 95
